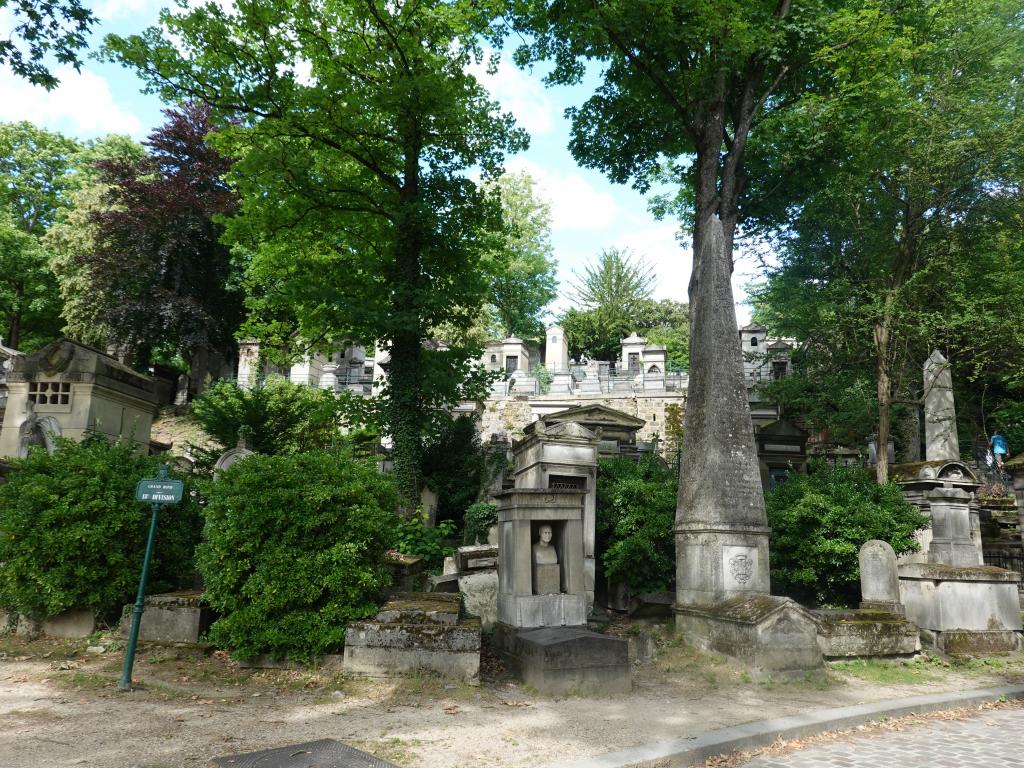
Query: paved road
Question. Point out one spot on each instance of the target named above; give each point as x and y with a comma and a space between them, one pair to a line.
991, 740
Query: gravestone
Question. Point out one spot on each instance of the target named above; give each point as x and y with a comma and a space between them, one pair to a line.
879, 580
941, 442
231, 457
721, 529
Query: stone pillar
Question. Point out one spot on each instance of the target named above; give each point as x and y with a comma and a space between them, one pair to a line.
329, 377
941, 442
556, 353
248, 364
721, 528
951, 542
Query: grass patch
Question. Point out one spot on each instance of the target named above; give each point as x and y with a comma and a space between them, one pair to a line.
887, 672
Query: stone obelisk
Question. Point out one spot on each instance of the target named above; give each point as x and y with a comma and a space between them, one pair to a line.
721, 529
940, 438
722, 587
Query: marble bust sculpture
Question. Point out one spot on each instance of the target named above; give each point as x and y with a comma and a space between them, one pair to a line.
546, 573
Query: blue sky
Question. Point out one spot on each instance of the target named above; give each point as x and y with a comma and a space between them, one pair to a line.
588, 212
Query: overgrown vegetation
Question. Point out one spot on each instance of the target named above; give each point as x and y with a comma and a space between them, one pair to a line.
432, 543
294, 549
819, 522
278, 417
636, 505
478, 520
72, 535
457, 467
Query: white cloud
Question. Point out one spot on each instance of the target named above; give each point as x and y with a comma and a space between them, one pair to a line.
655, 242
82, 105
106, 10
519, 93
575, 202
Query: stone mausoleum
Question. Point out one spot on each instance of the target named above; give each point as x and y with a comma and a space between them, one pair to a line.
69, 390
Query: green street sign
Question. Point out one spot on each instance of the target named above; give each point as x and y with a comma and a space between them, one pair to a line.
159, 491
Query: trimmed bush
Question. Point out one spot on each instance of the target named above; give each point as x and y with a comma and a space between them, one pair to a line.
294, 549
819, 522
72, 535
636, 507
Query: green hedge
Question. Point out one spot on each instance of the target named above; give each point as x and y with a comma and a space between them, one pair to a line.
636, 507
72, 535
294, 549
819, 522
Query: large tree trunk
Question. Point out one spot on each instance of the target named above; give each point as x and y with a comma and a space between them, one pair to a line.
405, 415
14, 319
884, 406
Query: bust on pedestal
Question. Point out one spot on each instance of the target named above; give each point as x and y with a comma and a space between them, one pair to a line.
546, 576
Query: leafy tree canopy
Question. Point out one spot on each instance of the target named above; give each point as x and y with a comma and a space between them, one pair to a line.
156, 273
354, 125
44, 28
522, 264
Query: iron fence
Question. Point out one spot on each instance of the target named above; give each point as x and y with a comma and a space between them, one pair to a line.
1011, 561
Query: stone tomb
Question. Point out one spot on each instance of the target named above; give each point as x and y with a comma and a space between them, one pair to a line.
415, 630
172, 617
879, 628
960, 605
963, 609
69, 390
844, 634
542, 604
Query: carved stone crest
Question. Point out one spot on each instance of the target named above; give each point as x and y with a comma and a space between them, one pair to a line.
742, 568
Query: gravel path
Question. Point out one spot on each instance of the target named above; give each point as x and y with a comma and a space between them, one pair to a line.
58, 712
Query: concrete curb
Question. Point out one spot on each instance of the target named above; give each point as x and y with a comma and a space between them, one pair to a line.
695, 750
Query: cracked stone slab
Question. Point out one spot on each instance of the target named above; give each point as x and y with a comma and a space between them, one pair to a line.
324, 753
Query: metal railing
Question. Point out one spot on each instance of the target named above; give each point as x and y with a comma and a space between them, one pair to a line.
1011, 561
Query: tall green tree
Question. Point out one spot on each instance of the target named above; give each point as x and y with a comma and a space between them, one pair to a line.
354, 125
523, 267
920, 156
36, 177
610, 297
43, 29
158, 272
71, 240
683, 87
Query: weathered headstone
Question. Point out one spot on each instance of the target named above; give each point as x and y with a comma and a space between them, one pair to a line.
879, 580
941, 442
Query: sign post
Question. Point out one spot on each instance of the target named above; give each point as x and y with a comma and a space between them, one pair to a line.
158, 491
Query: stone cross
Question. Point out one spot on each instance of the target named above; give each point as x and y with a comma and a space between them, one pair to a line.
721, 527
879, 580
941, 443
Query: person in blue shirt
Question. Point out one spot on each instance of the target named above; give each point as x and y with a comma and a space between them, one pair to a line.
999, 448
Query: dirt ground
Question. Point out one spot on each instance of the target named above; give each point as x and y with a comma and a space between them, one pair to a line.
60, 706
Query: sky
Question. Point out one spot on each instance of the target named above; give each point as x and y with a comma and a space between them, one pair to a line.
589, 213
